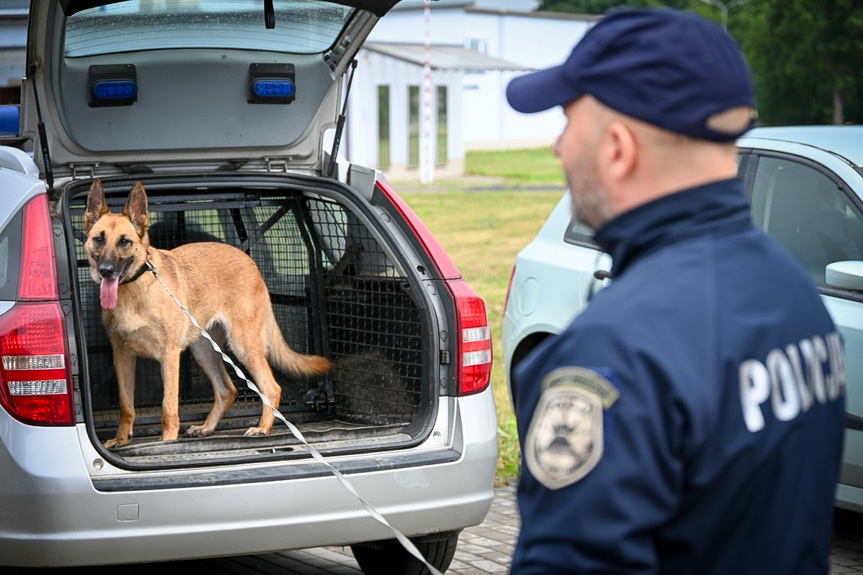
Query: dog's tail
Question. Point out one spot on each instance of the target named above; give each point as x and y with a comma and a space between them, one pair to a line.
286, 359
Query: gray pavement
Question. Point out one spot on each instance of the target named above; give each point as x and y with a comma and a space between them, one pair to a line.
846, 555
484, 549
487, 548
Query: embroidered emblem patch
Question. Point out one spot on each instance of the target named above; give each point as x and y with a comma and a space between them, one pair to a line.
565, 440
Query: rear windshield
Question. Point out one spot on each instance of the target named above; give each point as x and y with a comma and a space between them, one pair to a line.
301, 26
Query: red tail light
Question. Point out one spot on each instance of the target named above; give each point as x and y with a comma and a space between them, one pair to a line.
34, 373
35, 382
38, 278
473, 348
473, 354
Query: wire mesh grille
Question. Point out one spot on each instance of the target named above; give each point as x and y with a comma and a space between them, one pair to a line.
334, 292
375, 335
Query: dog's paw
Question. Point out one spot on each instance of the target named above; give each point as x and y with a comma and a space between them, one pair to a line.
116, 442
199, 431
256, 431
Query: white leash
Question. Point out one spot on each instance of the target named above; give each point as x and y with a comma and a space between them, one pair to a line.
373, 513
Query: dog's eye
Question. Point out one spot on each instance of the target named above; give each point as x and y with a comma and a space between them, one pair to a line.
124, 242
99, 240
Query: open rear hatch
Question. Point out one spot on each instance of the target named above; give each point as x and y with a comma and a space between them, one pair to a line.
139, 86
222, 109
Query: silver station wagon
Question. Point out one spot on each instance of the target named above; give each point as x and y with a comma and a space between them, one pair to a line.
228, 112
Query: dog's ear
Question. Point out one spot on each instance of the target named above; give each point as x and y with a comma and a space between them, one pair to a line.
136, 209
96, 205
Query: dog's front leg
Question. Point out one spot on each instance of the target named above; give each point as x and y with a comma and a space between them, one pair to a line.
124, 368
171, 398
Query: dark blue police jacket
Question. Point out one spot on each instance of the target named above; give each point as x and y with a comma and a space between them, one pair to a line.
705, 434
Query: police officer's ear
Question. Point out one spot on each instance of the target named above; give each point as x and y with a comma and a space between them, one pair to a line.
618, 155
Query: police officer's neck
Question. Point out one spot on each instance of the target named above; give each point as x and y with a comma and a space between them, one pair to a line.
663, 163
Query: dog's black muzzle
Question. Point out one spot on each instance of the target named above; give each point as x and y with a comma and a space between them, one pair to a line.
108, 271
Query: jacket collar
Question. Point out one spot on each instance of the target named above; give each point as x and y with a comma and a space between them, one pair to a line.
696, 211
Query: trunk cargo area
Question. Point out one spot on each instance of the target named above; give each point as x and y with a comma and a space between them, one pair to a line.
335, 292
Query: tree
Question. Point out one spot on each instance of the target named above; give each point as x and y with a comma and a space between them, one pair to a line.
600, 6
805, 54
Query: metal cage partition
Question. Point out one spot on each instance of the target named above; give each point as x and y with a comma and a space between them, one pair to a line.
334, 292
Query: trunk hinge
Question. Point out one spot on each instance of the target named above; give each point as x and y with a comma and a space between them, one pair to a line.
83, 171
277, 164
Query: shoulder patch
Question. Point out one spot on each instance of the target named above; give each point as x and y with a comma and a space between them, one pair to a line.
564, 441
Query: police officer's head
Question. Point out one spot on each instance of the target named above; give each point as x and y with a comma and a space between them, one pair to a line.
661, 90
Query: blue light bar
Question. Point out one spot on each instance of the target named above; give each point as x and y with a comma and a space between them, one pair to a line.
9, 120
273, 88
272, 83
115, 90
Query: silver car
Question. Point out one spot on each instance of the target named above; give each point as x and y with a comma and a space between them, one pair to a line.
806, 191
228, 112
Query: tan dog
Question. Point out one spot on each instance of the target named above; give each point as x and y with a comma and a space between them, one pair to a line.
221, 287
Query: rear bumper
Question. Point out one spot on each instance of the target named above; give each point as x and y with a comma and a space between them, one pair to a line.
51, 514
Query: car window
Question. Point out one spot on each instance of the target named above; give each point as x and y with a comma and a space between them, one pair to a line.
805, 210
579, 233
301, 26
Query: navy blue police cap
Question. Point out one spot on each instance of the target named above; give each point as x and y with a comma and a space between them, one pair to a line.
669, 68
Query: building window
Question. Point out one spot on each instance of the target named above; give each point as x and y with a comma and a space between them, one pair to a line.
477, 45
383, 127
413, 126
441, 155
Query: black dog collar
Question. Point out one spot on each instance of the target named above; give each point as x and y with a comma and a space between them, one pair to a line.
145, 267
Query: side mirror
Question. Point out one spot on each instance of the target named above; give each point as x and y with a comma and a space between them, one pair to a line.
845, 275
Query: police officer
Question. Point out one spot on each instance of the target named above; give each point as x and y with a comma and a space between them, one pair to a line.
690, 420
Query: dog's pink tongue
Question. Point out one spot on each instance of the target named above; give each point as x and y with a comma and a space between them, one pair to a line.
108, 292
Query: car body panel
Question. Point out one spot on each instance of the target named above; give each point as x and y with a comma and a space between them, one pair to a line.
53, 515
845, 142
18, 189
539, 278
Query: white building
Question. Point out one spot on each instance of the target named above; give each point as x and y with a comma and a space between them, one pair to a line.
477, 46
13, 44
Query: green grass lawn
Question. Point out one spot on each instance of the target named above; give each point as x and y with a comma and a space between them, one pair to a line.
483, 231
533, 167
